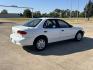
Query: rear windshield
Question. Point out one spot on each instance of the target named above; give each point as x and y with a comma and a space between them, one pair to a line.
33, 23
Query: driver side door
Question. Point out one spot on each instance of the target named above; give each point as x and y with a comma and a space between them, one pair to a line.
66, 30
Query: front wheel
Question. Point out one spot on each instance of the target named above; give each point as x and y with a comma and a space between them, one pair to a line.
79, 36
40, 44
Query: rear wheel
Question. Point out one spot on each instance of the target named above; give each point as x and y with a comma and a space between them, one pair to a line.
40, 44
79, 36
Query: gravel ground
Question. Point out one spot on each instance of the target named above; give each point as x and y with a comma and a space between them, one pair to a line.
66, 55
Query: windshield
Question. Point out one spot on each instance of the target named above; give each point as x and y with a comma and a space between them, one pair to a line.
33, 23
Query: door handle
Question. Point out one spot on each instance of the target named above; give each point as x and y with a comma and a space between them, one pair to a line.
45, 31
62, 30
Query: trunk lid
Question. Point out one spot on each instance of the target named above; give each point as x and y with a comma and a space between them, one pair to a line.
21, 28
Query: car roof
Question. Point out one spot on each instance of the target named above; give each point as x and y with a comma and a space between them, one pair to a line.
49, 18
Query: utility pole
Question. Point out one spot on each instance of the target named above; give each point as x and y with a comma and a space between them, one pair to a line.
60, 14
32, 12
71, 10
78, 12
85, 13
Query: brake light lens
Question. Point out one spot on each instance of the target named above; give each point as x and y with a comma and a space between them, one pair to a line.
22, 32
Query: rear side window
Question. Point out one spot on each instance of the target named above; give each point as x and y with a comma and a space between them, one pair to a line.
50, 23
33, 23
63, 24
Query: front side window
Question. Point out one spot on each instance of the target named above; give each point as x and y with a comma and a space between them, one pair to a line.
63, 24
33, 23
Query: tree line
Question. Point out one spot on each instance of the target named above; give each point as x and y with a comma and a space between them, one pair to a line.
58, 13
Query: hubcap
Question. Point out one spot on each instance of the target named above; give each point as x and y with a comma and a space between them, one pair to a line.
79, 36
41, 44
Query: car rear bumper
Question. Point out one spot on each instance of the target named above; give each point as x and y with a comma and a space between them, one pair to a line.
20, 41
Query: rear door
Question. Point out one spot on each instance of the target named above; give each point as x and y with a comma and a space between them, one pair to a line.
51, 30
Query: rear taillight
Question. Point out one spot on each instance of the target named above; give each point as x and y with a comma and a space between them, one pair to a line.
22, 32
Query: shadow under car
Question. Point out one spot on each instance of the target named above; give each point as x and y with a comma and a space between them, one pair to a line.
63, 47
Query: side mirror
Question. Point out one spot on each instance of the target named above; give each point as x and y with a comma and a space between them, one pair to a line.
54, 26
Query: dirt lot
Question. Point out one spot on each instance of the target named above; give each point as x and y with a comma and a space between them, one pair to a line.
66, 55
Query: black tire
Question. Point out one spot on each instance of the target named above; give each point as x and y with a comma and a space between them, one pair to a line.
37, 41
79, 36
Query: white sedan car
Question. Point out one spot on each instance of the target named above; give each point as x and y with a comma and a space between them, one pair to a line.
41, 31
